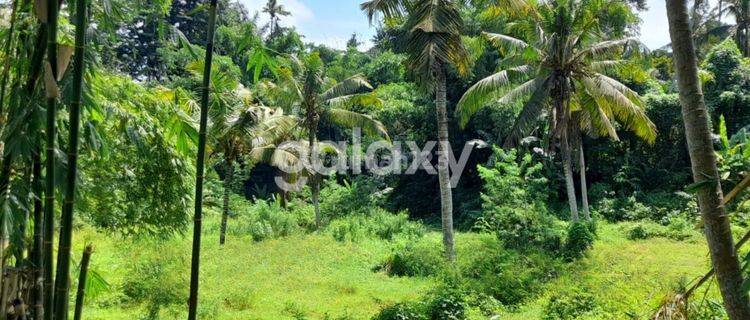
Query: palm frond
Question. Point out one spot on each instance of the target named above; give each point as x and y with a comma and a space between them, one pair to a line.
435, 38
607, 47
388, 8
355, 84
505, 41
621, 103
351, 119
363, 100
532, 110
487, 89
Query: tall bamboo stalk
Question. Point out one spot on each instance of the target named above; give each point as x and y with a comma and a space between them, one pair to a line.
62, 281
49, 194
37, 295
6, 52
200, 165
82, 276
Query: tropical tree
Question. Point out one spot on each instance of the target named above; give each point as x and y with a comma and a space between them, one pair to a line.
433, 42
275, 12
562, 69
200, 164
740, 10
705, 172
305, 89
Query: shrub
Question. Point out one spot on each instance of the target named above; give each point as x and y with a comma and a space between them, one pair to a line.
414, 259
677, 229
571, 306
507, 276
402, 311
580, 239
514, 207
447, 302
264, 220
156, 282
486, 304
379, 223
523, 228
355, 198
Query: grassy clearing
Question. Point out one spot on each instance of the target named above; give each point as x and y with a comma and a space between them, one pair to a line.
628, 278
311, 276
316, 277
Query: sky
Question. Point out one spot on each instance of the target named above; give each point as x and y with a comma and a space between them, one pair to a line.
332, 22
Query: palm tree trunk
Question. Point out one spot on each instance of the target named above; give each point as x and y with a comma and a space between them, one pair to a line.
62, 280
38, 285
200, 166
704, 167
569, 183
225, 214
314, 183
584, 186
49, 194
446, 190
81, 294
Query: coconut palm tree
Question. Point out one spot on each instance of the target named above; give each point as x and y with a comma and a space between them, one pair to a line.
740, 10
200, 164
236, 137
705, 172
62, 280
563, 69
304, 87
433, 41
275, 11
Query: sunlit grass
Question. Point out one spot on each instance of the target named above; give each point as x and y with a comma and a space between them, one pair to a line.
315, 276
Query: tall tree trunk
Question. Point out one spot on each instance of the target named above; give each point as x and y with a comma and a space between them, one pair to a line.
225, 214
717, 225
49, 192
446, 190
200, 165
584, 186
37, 295
82, 276
563, 130
62, 279
314, 181
569, 182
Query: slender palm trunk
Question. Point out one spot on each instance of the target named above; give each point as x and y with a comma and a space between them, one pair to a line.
717, 225
62, 280
584, 186
314, 182
569, 182
49, 192
563, 128
200, 166
446, 190
225, 214
82, 276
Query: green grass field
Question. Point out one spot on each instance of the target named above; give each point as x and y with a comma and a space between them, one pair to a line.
314, 276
